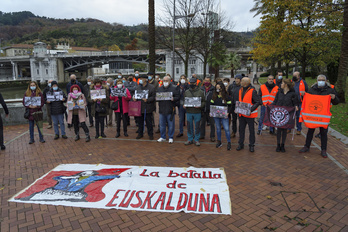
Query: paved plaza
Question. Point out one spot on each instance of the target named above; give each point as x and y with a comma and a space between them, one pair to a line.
269, 191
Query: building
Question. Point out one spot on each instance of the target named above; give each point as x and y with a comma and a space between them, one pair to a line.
18, 50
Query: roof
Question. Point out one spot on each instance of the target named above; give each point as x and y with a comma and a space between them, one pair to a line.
85, 49
24, 46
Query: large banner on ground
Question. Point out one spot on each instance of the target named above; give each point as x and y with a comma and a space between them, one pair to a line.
159, 189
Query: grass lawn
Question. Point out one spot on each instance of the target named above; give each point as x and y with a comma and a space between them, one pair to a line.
339, 112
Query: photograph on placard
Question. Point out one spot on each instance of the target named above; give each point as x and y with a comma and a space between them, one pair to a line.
192, 102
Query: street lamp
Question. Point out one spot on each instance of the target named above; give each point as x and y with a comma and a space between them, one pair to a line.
174, 18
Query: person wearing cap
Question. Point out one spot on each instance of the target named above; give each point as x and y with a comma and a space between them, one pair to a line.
208, 90
86, 91
233, 91
148, 106
57, 109
194, 114
48, 109
4, 106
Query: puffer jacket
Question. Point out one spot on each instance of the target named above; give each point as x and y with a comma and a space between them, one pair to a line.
57, 107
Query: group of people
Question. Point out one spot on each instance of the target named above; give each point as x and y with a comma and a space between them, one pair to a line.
80, 102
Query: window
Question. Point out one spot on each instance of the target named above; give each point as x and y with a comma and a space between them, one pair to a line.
46, 71
177, 70
192, 61
37, 71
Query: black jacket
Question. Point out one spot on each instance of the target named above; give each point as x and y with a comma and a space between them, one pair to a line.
233, 91
167, 107
150, 104
208, 96
288, 99
44, 92
2, 102
182, 88
131, 86
86, 90
326, 90
57, 107
256, 101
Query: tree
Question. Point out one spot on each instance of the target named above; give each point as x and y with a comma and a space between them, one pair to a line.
343, 65
233, 62
114, 47
133, 45
152, 36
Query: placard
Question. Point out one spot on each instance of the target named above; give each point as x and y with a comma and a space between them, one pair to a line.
119, 92
32, 101
141, 94
243, 108
139, 188
192, 102
98, 93
54, 96
218, 111
164, 96
79, 104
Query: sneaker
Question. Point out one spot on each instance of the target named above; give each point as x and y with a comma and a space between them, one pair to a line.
31, 141
298, 132
42, 141
240, 147
49, 127
324, 154
56, 137
77, 137
160, 140
304, 149
139, 136
117, 135
103, 135
171, 141
64, 136
188, 142
228, 146
91, 125
258, 132
197, 143
3, 147
179, 135
264, 127
218, 144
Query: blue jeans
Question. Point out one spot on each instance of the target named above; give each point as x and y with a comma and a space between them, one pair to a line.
262, 116
224, 123
298, 124
182, 113
31, 130
193, 133
164, 119
58, 118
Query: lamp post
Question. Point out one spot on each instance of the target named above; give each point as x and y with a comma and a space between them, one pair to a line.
174, 18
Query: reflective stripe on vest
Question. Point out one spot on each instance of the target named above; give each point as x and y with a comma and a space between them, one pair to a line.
315, 110
248, 96
268, 97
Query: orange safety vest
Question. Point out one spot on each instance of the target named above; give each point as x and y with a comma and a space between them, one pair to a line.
135, 80
248, 96
315, 110
332, 86
268, 97
302, 88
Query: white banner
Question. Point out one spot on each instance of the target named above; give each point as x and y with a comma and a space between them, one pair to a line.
160, 189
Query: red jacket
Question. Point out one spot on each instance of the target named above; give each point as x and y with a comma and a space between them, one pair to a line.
125, 101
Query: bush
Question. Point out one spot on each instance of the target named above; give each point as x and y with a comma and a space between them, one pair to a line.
265, 74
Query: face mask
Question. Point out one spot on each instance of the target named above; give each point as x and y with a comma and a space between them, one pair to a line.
108, 84
149, 77
119, 86
75, 91
49, 84
280, 77
141, 82
73, 81
217, 90
130, 79
183, 81
123, 81
321, 83
32, 87
55, 88
89, 83
136, 75
192, 86
97, 86
119, 77
206, 84
165, 84
225, 83
294, 78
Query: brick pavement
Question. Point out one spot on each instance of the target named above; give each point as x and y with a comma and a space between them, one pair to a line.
269, 191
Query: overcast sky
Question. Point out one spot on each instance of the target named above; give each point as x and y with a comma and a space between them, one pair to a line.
127, 12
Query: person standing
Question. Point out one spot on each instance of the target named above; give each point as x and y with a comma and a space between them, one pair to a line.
267, 93
208, 90
194, 114
122, 109
57, 110
110, 84
286, 96
221, 98
148, 106
99, 108
279, 78
48, 109
34, 91
77, 115
182, 87
167, 110
72, 82
248, 94
324, 89
4, 106
86, 91
301, 88
233, 91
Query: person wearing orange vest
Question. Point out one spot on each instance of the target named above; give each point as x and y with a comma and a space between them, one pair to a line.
267, 93
319, 88
300, 88
248, 94
136, 77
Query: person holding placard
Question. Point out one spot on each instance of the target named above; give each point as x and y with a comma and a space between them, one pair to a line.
167, 108
145, 93
208, 90
48, 109
120, 98
221, 98
182, 87
248, 95
194, 102
34, 100
99, 99
77, 111
55, 99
